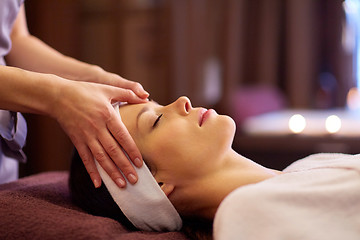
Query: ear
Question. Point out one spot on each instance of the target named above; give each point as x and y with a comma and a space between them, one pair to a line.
167, 188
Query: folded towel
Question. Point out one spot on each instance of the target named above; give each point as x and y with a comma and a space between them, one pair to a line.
144, 204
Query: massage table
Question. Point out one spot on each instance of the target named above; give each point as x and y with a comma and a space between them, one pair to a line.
39, 207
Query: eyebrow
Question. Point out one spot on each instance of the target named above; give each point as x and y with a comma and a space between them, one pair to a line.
144, 109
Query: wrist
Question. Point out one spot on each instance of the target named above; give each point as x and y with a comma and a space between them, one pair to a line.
89, 73
27, 91
54, 90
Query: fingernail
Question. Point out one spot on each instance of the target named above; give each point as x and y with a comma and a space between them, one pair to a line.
121, 183
132, 179
137, 162
96, 183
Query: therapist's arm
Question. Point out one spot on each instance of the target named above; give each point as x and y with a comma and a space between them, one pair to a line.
32, 54
83, 109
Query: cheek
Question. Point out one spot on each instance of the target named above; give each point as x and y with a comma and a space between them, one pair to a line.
175, 142
184, 150
171, 149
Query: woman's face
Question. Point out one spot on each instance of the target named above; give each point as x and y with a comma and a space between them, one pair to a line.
177, 141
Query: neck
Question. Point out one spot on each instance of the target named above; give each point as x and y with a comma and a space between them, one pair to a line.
206, 193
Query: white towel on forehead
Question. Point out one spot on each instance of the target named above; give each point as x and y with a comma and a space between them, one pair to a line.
144, 203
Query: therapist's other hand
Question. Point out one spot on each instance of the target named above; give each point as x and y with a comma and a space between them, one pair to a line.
85, 113
98, 75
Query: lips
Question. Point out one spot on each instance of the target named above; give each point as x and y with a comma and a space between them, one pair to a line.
204, 114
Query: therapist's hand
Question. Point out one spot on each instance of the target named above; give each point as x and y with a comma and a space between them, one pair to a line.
85, 112
96, 74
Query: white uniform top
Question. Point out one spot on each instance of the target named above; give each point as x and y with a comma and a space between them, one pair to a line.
317, 197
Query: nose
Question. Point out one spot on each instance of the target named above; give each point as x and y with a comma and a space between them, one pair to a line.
183, 105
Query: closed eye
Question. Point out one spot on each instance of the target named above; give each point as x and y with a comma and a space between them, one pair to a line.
157, 120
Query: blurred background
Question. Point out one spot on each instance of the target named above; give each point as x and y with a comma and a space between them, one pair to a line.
240, 57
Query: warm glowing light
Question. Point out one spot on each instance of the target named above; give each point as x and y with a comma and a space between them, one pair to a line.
333, 124
297, 123
353, 99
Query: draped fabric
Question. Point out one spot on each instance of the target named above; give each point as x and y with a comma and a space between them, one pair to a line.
293, 46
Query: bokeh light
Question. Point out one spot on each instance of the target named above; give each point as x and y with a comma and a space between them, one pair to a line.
333, 124
297, 123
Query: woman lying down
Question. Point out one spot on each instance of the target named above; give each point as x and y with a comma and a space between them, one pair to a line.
188, 151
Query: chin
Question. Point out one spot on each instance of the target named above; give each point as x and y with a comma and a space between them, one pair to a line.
228, 121
232, 125
228, 127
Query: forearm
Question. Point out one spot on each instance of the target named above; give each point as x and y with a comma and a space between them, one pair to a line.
30, 53
26, 91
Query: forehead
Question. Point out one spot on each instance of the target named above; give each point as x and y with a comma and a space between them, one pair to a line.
134, 109
130, 112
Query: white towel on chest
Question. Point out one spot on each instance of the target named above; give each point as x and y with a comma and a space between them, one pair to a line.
316, 198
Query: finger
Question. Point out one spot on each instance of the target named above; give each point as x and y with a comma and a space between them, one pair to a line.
123, 137
88, 160
136, 87
126, 95
107, 164
115, 153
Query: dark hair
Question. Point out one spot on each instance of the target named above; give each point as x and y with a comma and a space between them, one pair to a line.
98, 201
